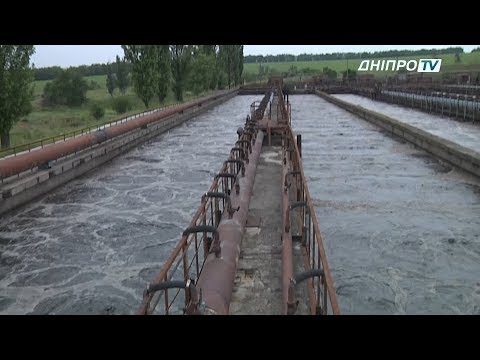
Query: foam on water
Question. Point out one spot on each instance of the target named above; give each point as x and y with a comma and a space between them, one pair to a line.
91, 246
401, 229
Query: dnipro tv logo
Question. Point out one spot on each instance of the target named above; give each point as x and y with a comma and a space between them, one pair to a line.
422, 65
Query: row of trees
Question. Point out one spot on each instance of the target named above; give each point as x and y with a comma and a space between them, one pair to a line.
153, 69
351, 55
156, 68
51, 72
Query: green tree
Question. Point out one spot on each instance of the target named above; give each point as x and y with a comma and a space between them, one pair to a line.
220, 73
16, 92
226, 54
69, 88
121, 74
211, 52
162, 54
231, 57
180, 56
239, 60
457, 58
111, 81
202, 73
144, 70
208, 49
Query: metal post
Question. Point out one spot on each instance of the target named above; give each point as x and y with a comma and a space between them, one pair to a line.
347, 70
458, 104
299, 144
474, 108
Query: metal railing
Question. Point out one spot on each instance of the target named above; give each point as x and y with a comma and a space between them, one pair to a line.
461, 107
323, 299
188, 258
457, 106
186, 262
14, 150
322, 296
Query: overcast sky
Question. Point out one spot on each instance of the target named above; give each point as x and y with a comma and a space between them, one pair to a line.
73, 55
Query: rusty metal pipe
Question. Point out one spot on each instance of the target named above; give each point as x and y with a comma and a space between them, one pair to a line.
308, 275
15, 165
218, 274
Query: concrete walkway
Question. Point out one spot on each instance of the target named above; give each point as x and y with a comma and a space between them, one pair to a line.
258, 288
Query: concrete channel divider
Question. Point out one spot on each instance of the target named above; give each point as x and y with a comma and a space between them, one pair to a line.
455, 154
31, 184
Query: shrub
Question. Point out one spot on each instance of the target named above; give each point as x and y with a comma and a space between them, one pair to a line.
97, 111
69, 88
121, 104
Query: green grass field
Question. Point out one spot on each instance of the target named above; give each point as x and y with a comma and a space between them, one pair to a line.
469, 61
47, 121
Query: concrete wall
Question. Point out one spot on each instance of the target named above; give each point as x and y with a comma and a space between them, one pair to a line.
455, 154
37, 183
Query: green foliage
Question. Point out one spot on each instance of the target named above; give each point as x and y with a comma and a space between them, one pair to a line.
350, 74
47, 121
202, 74
292, 71
457, 58
180, 57
330, 73
93, 85
250, 77
144, 71
111, 81
230, 57
121, 75
221, 79
121, 104
208, 49
15, 86
307, 71
47, 73
263, 72
239, 62
50, 73
163, 69
69, 88
97, 111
